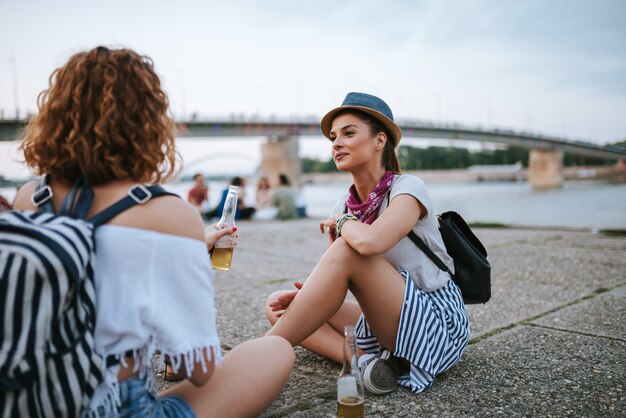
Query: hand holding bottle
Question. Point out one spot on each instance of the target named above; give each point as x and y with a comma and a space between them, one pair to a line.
222, 251
212, 234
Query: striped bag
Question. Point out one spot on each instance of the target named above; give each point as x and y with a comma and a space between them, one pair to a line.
48, 364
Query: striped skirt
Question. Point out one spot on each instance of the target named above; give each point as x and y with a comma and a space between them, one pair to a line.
432, 334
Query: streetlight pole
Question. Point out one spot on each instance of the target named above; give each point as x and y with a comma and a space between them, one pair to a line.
13, 60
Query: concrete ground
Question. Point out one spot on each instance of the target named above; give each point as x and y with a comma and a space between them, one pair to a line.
551, 342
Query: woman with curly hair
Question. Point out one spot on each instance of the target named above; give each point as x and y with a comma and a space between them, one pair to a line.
105, 118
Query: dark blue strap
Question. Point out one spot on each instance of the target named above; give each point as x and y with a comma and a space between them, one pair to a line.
137, 195
77, 206
42, 198
83, 203
76, 203
68, 202
420, 244
429, 253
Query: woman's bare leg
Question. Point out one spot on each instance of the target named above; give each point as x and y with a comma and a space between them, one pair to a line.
247, 381
327, 341
375, 283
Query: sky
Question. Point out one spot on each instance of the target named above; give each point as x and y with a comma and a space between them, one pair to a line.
554, 67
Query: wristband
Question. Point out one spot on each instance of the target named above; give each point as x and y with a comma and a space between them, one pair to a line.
342, 219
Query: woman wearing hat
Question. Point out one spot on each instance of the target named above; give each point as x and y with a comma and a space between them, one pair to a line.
410, 319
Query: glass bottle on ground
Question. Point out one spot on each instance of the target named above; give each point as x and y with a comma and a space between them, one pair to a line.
350, 394
222, 253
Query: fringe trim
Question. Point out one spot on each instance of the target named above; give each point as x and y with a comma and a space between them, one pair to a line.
192, 357
106, 400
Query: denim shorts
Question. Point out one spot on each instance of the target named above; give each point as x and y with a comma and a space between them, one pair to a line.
138, 401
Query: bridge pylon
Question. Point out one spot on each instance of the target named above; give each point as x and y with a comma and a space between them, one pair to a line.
279, 155
545, 169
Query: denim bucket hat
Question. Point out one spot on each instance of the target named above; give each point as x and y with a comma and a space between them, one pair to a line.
369, 104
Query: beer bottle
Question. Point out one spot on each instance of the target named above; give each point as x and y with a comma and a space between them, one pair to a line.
222, 253
350, 395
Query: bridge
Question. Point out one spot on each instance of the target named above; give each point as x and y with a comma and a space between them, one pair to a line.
280, 152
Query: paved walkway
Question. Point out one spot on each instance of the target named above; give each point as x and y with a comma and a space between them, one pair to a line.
551, 342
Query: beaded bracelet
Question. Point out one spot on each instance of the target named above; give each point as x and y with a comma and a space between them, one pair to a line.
342, 219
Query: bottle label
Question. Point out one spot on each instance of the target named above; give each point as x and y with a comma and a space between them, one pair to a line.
346, 386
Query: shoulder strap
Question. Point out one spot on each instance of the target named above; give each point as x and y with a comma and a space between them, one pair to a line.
422, 246
42, 198
77, 206
137, 195
425, 248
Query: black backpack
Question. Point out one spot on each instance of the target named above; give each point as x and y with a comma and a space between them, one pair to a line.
472, 272
48, 364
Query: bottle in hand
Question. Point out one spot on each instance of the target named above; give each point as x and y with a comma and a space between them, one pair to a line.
222, 253
350, 394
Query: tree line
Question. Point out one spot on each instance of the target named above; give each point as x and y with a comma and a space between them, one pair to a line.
442, 158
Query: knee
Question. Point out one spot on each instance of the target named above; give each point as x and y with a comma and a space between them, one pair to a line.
275, 351
267, 310
272, 350
279, 356
283, 349
341, 250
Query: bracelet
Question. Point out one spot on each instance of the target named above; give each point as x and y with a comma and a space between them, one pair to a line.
342, 219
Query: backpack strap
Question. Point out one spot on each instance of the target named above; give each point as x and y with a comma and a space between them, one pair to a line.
137, 195
420, 244
426, 249
83, 203
76, 204
42, 198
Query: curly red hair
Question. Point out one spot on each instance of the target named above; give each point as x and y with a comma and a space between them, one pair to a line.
103, 117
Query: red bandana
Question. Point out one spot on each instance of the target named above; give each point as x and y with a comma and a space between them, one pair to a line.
367, 212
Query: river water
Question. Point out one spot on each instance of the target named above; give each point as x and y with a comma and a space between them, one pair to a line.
578, 204
583, 204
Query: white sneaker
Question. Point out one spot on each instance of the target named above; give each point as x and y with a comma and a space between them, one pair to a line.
380, 373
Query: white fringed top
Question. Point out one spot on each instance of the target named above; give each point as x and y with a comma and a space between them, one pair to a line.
154, 293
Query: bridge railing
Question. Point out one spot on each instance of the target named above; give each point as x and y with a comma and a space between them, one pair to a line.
293, 127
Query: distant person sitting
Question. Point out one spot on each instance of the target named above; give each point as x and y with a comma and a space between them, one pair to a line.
198, 195
301, 206
284, 198
264, 194
243, 211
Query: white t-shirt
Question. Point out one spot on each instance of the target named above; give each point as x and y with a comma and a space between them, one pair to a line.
405, 255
